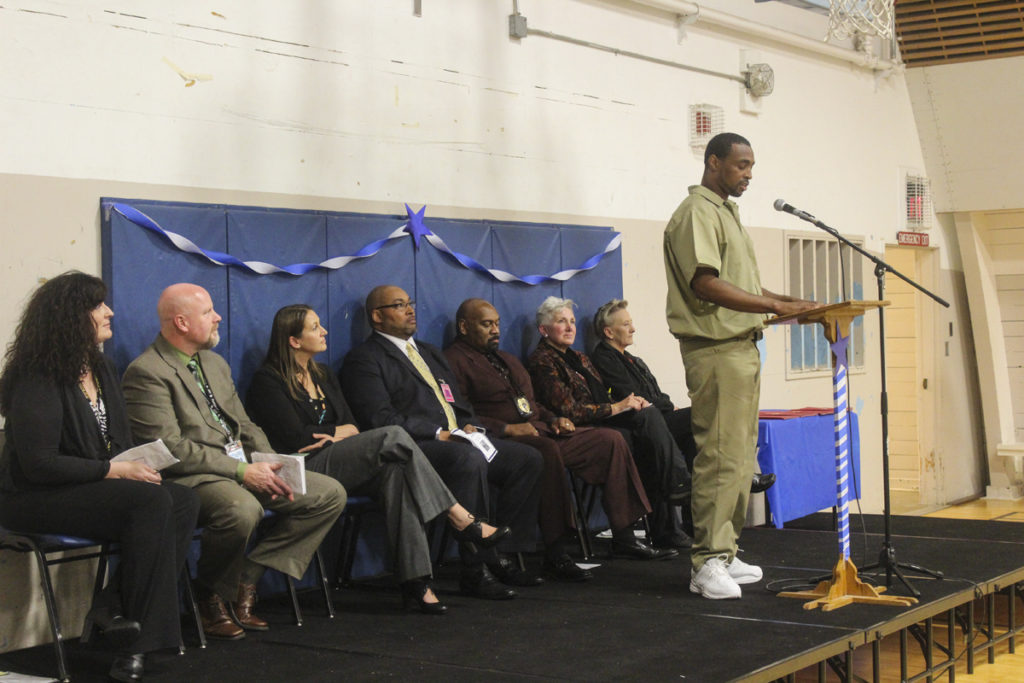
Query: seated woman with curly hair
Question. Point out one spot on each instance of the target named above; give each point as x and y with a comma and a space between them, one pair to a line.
65, 421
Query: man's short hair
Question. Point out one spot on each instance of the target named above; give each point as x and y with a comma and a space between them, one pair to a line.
721, 145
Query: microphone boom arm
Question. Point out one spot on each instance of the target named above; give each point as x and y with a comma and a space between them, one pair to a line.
880, 265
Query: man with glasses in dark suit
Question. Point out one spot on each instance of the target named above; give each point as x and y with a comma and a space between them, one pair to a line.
394, 379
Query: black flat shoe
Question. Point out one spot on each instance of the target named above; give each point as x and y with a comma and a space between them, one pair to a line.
479, 582
638, 550
474, 533
678, 540
762, 482
128, 668
413, 594
116, 630
508, 572
564, 569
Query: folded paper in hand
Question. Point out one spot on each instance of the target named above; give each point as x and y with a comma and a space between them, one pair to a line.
154, 454
293, 469
479, 441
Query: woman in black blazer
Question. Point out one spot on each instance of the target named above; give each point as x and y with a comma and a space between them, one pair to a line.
299, 405
65, 420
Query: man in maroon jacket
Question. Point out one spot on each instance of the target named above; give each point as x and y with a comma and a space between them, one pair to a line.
498, 386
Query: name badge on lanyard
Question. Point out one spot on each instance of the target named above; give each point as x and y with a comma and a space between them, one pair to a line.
446, 391
234, 449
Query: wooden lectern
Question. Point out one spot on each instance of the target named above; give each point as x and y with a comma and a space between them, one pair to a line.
844, 587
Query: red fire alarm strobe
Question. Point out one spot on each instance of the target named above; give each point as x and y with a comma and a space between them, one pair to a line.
912, 239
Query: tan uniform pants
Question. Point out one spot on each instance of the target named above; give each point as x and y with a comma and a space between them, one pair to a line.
724, 381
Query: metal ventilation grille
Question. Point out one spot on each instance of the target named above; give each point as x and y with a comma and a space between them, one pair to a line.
919, 202
944, 31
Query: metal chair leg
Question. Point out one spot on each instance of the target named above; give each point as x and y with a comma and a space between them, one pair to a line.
580, 513
328, 600
295, 600
190, 599
51, 610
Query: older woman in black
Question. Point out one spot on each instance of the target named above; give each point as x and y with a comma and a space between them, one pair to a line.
625, 374
299, 404
567, 382
65, 420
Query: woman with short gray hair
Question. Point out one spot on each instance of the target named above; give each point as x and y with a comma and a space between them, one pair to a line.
568, 384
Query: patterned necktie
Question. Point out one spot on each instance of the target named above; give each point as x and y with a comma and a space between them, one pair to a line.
193, 366
421, 366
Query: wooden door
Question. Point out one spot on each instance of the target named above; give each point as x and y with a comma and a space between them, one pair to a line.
903, 371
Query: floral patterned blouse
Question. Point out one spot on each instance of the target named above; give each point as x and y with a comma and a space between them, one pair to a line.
562, 389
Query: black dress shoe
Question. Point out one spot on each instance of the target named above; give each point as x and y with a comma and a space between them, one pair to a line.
564, 569
116, 630
474, 533
762, 482
128, 668
638, 550
678, 540
681, 494
508, 572
413, 594
480, 583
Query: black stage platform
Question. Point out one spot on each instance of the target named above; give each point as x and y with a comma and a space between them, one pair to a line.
635, 620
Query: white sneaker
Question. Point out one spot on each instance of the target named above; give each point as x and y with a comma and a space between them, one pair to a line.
741, 572
713, 580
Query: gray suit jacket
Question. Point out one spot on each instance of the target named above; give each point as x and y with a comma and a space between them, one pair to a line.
164, 402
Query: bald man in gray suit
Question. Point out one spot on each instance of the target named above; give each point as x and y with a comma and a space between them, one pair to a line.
180, 391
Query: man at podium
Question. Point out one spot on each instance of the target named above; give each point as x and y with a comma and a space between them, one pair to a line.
716, 307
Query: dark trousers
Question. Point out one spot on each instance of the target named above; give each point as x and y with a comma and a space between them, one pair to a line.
661, 463
154, 525
514, 474
678, 422
600, 457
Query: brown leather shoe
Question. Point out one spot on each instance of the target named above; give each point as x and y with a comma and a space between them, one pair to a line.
243, 606
217, 624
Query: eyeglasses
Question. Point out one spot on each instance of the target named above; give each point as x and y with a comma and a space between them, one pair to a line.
401, 306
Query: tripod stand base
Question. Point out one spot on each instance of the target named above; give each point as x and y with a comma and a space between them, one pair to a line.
845, 588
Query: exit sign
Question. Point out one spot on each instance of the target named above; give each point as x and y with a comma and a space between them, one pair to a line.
912, 239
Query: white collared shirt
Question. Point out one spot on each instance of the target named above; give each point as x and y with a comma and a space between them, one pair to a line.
399, 342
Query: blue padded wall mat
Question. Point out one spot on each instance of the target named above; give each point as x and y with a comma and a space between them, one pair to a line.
138, 264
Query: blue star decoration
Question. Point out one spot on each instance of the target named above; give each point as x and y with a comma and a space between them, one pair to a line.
415, 226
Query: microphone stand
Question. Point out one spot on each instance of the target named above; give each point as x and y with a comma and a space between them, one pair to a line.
887, 556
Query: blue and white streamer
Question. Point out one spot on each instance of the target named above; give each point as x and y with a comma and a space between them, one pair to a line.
414, 227
840, 397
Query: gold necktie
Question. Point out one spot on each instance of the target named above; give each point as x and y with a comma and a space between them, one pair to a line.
421, 366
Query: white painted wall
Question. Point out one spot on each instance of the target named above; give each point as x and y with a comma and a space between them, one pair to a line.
361, 105
969, 118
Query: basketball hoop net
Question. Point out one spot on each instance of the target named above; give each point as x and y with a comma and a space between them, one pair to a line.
846, 18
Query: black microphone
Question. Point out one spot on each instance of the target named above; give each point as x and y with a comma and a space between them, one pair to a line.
781, 205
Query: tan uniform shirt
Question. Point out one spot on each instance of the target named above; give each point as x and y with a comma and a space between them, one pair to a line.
705, 231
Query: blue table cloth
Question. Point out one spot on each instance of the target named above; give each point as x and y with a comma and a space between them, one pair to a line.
801, 452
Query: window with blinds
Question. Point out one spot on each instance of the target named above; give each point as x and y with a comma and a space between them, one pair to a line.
821, 269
